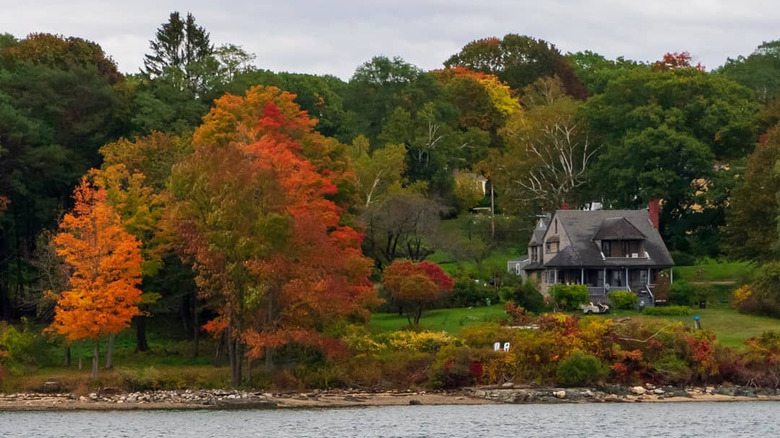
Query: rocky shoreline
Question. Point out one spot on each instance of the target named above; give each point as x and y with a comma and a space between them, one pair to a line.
110, 399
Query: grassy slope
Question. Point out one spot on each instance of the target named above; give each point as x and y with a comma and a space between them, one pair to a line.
731, 327
449, 320
714, 271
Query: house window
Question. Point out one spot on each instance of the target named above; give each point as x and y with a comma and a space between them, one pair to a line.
550, 277
548, 247
556, 226
606, 248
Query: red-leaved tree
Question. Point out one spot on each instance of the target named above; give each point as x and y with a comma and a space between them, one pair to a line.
260, 215
415, 285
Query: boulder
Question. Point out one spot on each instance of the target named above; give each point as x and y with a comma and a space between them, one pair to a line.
639, 390
560, 394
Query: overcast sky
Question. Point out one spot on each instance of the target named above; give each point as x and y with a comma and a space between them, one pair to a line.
318, 36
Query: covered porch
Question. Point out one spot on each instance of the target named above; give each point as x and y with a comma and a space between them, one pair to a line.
601, 281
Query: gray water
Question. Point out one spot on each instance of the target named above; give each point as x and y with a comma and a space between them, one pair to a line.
744, 419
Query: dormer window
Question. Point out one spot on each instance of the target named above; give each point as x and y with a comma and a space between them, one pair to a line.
620, 238
623, 248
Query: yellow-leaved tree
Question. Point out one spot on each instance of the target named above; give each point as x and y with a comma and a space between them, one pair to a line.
104, 262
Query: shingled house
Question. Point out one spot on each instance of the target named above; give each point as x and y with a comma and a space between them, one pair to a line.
604, 249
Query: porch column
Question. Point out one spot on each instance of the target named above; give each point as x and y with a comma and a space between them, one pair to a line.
604, 281
648, 277
555, 281
628, 286
582, 275
671, 275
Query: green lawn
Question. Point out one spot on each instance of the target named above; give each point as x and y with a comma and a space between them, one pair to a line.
449, 320
730, 326
714, 271
497, 257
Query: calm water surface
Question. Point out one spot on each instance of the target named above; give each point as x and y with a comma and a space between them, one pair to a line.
759, 419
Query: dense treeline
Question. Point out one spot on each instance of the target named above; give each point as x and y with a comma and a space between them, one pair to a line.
248, 189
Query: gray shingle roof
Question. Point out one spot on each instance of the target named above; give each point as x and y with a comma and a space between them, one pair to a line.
537, 238
618, 228
582, 226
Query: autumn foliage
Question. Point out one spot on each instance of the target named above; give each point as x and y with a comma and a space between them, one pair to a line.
105, 269
260, 209
415, 284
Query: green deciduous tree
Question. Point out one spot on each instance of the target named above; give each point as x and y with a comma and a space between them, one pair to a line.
759, 71
519, 61
60, 100
548, 152
751, 218
662, 133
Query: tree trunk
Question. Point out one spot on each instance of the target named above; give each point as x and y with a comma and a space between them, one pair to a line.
184, 310
195, 326
67, 356
492, 213
110, 352
234, 354
235, 362
418, 315
141, 344
269, 358
95, 356
81, 355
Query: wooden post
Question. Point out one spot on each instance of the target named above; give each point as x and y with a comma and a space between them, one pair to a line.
627, 285
648, 277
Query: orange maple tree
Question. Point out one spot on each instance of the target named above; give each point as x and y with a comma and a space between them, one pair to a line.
105, 269
260, 206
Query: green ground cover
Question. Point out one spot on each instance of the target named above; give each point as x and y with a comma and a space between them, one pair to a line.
713, 270
730, 326
449, 320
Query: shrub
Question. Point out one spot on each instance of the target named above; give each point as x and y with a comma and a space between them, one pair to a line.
581, 369
429, 342
484, 335
568, 297
517, 314
667, 311
525, 295
143, 379
672, 370
682, 294
683, 258
762, 297
455, 367
471, 292
623, 299
16, 347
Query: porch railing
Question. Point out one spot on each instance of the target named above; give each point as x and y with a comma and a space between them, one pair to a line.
596, 290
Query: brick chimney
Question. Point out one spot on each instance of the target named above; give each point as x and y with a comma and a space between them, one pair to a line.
653, 210
565, 206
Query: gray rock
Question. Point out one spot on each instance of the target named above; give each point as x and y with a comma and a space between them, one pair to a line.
638, 390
